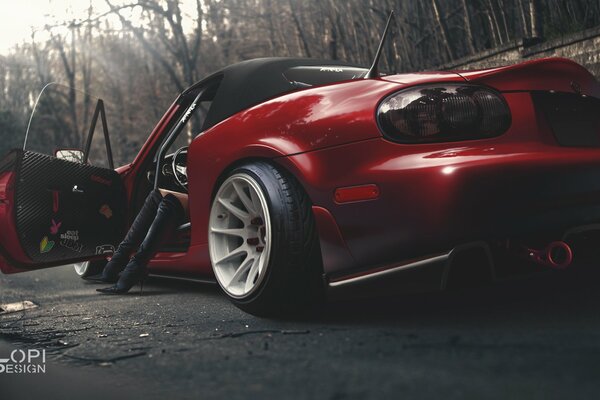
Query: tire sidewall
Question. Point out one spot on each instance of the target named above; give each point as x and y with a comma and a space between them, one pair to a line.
273, 286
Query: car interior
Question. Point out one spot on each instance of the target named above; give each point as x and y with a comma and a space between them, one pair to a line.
172, 165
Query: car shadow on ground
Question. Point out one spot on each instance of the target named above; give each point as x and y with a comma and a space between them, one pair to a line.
155, 286
557, 293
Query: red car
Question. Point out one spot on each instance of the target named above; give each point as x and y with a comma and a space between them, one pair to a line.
308, 179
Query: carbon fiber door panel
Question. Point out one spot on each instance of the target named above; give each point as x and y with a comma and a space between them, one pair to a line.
66, 210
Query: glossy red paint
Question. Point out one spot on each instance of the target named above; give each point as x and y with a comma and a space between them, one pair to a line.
296, 123
419, 78
334, 251
557, 74
356, 193
11, 246
438, 198
432, 197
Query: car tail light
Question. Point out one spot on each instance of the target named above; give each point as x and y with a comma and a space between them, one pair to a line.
442, 113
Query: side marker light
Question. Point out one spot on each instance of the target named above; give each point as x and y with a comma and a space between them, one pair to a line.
356, 193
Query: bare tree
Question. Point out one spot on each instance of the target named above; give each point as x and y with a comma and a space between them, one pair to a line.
468, 30
141, 63
534, 15
441, 23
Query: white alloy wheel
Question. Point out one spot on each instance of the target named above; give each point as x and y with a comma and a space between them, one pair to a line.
240, 235
81, 267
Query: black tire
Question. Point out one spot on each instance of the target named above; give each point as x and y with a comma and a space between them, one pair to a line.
293, 279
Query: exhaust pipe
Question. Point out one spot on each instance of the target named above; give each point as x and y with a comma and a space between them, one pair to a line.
557, 255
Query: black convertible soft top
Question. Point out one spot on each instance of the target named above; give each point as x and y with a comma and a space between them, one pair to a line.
251, 82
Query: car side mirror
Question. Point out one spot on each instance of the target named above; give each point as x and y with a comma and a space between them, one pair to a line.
74, 155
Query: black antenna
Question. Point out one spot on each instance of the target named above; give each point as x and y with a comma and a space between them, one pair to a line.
373, 72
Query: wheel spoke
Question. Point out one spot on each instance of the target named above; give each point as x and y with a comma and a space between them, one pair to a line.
260, 263
243, 268
239, 213
231, 232
256, 203
233, 254
254, 271
246, 201
239, 225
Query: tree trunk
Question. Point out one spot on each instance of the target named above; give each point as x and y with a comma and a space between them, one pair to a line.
523, 16
535, 19
333, 41
300, 29
503, 17
493, 37
442, 27
468, 29
494, 20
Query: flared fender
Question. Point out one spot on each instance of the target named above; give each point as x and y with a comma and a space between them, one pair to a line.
204, 170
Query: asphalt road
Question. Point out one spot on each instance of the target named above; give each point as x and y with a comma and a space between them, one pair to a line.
531, 339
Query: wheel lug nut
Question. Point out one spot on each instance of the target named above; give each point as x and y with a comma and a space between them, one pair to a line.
252, 241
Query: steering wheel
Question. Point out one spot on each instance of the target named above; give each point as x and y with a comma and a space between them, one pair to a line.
179, 167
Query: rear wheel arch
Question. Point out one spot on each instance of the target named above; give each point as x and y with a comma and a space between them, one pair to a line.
229, 168
247, 160
286, 185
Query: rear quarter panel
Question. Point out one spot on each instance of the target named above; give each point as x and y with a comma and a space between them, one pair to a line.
295, 123
327, 137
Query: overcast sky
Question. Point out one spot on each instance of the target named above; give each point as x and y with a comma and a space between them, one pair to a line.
18, 17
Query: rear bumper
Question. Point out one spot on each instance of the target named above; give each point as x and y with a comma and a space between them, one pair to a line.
434, 198
426, 274
467, 265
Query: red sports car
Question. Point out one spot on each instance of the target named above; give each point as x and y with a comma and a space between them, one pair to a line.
308, 179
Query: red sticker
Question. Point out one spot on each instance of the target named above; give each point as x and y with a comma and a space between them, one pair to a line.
106, 211
55, 204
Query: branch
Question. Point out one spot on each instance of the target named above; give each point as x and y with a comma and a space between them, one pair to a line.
148, 46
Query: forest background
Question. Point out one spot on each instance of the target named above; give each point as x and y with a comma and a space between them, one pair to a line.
139, 55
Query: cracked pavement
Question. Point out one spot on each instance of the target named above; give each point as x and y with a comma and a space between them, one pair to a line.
537, 338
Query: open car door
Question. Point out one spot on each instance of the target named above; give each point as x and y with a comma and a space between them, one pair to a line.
56, 207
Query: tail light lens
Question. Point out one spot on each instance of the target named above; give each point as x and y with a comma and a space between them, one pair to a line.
443, 113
